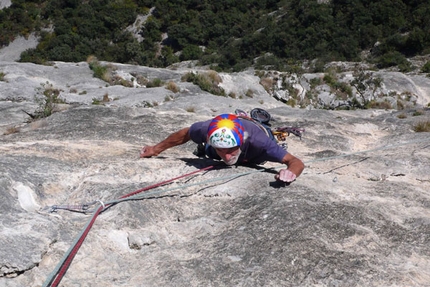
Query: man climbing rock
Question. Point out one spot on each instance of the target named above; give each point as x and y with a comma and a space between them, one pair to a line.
234, 141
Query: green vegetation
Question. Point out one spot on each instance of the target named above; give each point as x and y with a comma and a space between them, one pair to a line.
365, 81
2, 75
104, 100
227, 35
100, 71
426, 68
207, 81
418, 113
154, 83
47, 98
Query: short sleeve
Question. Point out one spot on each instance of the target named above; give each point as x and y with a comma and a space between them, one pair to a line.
198, 131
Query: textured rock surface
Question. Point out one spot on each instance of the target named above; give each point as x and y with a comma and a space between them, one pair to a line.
358, 216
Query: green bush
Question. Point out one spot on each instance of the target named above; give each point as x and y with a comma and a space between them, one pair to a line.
155, 83
426, 67
330, 78
314, 82
47, 98
391, 59
99, 71
207, 82
234, 33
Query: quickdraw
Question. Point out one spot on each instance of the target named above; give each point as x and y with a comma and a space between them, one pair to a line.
281, 133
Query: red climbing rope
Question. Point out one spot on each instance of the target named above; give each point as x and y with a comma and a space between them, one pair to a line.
65, 265
75, 249
165, 182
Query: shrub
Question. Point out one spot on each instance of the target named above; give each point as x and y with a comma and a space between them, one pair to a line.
154, 83
426, 68
99, 71
214, 77
172, 87
423, 126
141, 80
117, 80
2, 75
106, 98
206, 81
249, 93
232, 95
191, 109
291, 102
147, 104
378, 105
259, 73
393, 59
104, 72
418, 113
96, 101
402, 116
343, 88
314, 82
330, 77
47, 97
267, 84
400, 105
11, 130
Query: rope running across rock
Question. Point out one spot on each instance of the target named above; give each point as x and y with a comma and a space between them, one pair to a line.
57, 274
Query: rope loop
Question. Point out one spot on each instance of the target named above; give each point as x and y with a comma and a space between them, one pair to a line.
101, 202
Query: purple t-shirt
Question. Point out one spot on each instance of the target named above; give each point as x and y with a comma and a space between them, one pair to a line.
257, 148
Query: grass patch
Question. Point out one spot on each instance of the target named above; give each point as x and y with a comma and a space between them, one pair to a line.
423, 126
99, 71
267, 84
418, 113
232, 95
206, 81
11, 130
171, 86
191, 109
379, 105
249, 93
105, 99
154, 83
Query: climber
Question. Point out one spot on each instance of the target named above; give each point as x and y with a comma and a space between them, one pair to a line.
234, 141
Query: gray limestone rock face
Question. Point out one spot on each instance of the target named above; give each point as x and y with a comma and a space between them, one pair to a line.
359, 215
